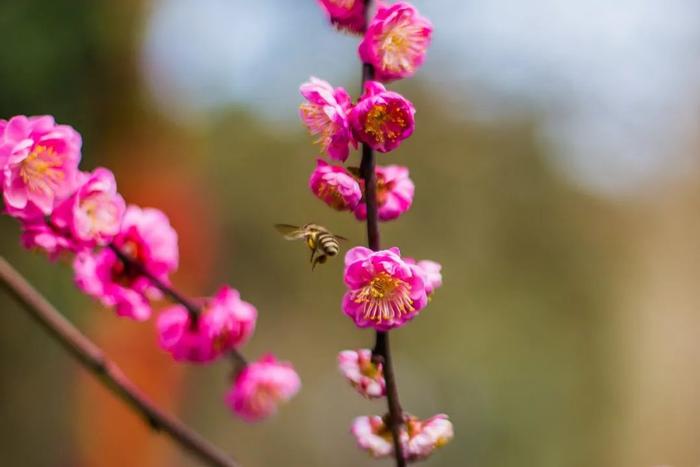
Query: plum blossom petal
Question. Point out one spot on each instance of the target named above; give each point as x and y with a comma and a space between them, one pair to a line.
384, 292
261, 386
396, 41
226, 322
382, 119
325, 114
363, 374
395, 191
335, 186
346, 15
39, 161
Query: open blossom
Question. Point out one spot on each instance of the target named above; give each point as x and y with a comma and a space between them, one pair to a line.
362, 373
147, 238
39, 162
419, 438
261, 386
382, 119
225, 322
346, 15
396, 41
384, 292
335, 186
325, 114
93, 215
395, 192
430, 271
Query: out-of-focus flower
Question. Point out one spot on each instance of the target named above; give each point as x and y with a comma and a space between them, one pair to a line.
335, 186
372, 435
419, 438
430, 271
325, 114
225, 322
147, 238
362, 373
395, 192
93, 215
39, 234
396, 41
382, 119
39, 162
384, 292
261, 386
346, 15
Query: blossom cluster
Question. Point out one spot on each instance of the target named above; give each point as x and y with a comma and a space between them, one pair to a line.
384, 289
123, 255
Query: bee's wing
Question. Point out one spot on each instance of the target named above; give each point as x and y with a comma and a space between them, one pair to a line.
341, 238
290, 232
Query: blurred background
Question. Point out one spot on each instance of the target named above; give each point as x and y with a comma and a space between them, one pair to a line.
556, 164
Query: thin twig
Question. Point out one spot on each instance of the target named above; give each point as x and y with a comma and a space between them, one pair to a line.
94, 360
381, 347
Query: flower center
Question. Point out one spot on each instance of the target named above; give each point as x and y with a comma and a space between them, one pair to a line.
383, 189
332, 196
384, 122
402, 45
385, 298
100, 211
40, 170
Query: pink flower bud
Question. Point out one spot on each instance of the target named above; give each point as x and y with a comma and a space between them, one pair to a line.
39, 162
261, 386
384, 292
146, 237
382, 119
346, 15
335, 186
396, 41
362, 373
225, 322
419, 438
395, 192
325, 115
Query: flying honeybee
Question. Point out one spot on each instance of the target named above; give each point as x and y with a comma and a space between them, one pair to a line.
319, 239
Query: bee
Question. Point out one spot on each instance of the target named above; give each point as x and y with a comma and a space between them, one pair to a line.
322, 243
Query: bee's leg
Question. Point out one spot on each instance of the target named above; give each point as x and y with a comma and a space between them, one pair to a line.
313, 254
320, 259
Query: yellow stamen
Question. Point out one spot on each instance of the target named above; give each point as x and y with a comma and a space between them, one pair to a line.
40, 170
384, 298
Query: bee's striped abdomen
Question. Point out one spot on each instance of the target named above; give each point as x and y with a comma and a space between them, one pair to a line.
329, 244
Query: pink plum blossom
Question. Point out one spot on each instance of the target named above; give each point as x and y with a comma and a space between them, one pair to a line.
382, 119
225, 322
93, 215
430, 271
335, 186
346, 15
147, 238
395, 192
396, 41
39, 162
419, 438
384, 292
325, 115
39, 234
362, 373
261, 386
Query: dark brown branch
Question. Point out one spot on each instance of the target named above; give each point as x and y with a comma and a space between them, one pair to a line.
381, 349
94, 360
